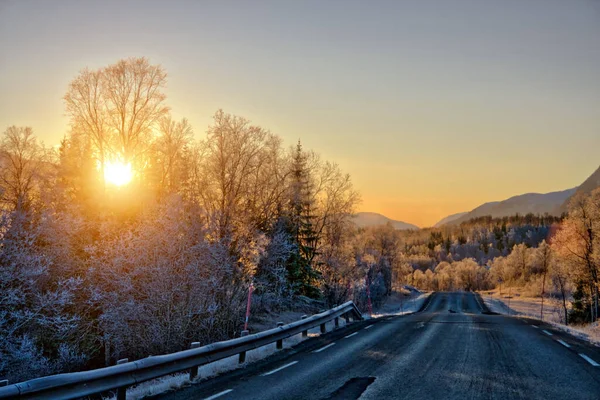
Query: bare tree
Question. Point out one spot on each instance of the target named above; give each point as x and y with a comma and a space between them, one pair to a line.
118, 107
560, 276
86, 106
234, 155
169, 151
22, 161
577, 241
543, 258
134, 104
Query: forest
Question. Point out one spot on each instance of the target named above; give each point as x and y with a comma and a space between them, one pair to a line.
139, 234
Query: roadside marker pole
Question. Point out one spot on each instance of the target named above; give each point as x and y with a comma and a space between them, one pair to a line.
509, 296
369, 297
248, 305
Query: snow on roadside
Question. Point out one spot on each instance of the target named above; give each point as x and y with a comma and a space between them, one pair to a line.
393, 307
179, 380
589, 333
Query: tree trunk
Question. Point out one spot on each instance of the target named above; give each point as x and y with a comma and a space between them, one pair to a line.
565, 309
543, 287
592, 308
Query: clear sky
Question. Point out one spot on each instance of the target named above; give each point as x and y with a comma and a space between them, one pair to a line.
433, 107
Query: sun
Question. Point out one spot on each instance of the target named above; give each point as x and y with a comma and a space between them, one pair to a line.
117, 173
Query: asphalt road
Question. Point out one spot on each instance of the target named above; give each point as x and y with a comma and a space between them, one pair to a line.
450, 350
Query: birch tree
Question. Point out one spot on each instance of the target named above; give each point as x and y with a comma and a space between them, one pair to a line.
542, 259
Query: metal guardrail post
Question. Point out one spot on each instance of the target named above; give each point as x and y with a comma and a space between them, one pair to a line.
337, 322
347, 317
305, 333
280, 341
122, 391
323, 327
242, 355
194, 369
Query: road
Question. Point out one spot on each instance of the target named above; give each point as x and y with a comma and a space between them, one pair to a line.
450, 350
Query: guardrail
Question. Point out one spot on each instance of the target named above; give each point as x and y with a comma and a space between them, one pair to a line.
119, 377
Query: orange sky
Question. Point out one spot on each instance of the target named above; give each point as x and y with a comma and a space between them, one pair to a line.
432, 110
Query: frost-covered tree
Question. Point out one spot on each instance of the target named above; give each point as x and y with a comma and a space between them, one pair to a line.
90, 274
38, 329
542, 260
23, 168
161, 283
577, 243
168, 155
117, 108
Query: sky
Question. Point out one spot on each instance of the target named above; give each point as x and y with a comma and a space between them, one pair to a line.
433, 107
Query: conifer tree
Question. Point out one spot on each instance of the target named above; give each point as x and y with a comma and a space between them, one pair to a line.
301, 215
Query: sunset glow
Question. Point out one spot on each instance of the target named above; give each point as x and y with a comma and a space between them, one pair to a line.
118, 173
427, 117
206, 170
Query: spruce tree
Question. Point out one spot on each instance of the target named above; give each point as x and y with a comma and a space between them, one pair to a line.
301, 219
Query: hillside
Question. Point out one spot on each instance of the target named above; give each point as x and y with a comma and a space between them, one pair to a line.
591, 183
449, 219
367, 219
535, 203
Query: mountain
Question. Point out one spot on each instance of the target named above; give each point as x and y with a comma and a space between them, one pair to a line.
367, 219
449, 219
587, 186
535, 203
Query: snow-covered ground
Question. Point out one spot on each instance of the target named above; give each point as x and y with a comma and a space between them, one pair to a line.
522, 305
528, 307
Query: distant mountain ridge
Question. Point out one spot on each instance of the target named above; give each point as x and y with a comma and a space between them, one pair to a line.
368, 219
535, 203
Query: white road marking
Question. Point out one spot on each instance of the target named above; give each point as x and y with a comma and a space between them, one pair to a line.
369, 327
350, 335
563, 343
546, 332
536, 327
223, 393
428, 304
586, 358
324, 348
280, 368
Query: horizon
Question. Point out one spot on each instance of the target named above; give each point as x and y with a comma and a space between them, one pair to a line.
430, 115
467, 211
